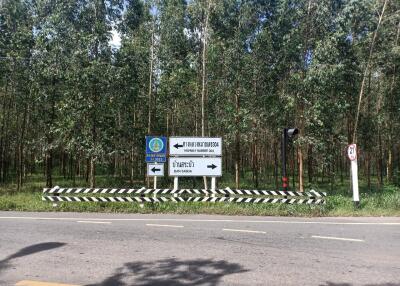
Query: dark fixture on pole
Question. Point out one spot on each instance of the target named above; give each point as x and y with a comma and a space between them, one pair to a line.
287, 134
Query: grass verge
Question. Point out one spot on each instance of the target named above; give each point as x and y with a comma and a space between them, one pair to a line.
385, 202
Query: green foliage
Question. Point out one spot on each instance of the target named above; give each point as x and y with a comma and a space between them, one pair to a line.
72, 103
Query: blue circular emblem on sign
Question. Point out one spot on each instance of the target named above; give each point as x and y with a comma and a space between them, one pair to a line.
156, 145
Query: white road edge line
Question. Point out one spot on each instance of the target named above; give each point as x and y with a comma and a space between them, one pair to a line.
206, 220
88, 221
164, 225
243, 230
338, 238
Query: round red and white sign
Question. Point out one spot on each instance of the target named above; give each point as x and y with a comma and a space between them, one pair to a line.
352, 152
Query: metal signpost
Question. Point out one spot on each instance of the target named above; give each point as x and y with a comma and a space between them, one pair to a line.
287, 133
184, 163
156, 153
352, 155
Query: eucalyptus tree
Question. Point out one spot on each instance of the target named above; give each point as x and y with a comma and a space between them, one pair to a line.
241, 69
93, 77
16, 42
54, 47
175, 86
391, 71
132, 78
234, 25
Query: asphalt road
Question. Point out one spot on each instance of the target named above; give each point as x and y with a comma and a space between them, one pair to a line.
119, 250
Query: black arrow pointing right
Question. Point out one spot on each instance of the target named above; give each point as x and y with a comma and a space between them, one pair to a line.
211, 166
177, 146
155, 169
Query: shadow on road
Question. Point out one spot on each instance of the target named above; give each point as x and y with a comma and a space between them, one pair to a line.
28, 251
349, 284
172, 272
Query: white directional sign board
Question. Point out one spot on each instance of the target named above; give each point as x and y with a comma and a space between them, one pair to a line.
195, 146
155, 170
195, 167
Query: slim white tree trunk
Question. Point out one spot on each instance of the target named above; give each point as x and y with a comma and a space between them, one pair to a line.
204, 74
366, 70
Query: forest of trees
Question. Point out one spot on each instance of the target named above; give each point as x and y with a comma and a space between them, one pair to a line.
75, 105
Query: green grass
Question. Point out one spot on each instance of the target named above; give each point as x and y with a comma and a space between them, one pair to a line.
383, 202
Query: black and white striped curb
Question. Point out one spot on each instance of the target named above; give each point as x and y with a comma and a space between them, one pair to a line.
180, 199
112, 199
256, 200
144, 191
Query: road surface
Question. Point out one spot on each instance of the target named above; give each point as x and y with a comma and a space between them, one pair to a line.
121, 250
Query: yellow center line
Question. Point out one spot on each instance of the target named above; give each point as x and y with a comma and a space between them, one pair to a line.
40, 283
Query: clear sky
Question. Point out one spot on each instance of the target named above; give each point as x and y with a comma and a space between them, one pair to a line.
116, 39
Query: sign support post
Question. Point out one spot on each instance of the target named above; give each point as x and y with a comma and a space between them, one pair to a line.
352, 155
155, 180
287, 133
213, 183
176, 183
354, 179
283, 154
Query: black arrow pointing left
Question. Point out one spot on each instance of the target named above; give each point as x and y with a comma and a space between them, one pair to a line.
177, 145
212, 166
155, 169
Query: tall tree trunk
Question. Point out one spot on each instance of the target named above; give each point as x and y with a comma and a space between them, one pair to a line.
49, 166
21, 149
237, 108
300, 103
92, 172
87, 170
380, 160
293, 169
204, 76
237, 141
254, 157
389, 166
310, 162
300, 157
368, 159
150, 91
50, 139
390, 123
92, 164
65, 162
276, 165
367, 71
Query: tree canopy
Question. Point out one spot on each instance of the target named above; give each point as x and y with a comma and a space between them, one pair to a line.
73, 103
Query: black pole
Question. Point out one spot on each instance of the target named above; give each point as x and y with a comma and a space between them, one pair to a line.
283, 154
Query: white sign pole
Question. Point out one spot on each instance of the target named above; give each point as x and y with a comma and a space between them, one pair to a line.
155, 181
354, 179
176, 183
213, 183
352, 154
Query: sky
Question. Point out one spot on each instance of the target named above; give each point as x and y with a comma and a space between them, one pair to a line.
116, 39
